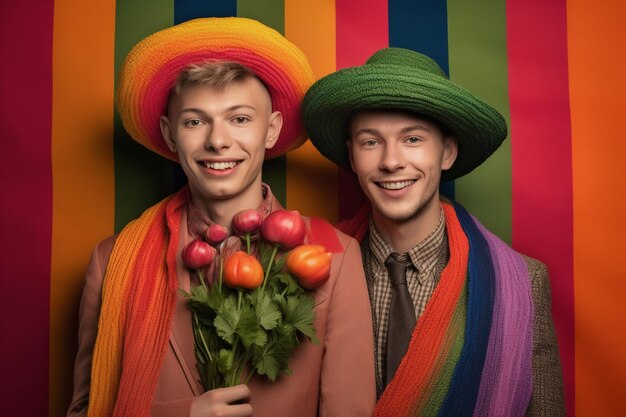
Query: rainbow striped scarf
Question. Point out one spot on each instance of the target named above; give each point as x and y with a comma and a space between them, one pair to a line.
138, 302
471, 350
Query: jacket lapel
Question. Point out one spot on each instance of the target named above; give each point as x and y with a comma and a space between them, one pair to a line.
181, 337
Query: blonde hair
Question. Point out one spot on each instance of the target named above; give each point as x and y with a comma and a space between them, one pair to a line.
218, 74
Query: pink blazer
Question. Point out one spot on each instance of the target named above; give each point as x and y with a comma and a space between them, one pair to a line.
332, 379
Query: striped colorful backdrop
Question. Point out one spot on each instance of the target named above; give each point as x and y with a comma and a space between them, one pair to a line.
71, 176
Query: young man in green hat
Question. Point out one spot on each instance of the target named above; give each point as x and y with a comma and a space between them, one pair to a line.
462, 322
217, 95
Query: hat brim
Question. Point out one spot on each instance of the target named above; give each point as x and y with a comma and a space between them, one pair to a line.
330, 103
152, 66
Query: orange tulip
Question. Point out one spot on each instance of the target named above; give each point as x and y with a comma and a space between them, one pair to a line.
243, 271
310, 264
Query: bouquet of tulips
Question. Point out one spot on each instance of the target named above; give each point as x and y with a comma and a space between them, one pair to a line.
250, 318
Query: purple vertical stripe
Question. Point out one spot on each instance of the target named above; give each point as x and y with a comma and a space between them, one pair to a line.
506, 382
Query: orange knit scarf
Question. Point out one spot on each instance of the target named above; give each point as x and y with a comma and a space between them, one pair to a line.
138, 301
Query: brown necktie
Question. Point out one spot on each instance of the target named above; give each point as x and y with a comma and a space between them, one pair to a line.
401, 321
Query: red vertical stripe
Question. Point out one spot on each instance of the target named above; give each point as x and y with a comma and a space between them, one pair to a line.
362, 29
542, 155
26, 209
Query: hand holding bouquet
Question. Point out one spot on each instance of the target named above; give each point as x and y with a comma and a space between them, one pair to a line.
252, 324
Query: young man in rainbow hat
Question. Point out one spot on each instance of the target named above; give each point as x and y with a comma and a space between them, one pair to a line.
217, 95
462, 322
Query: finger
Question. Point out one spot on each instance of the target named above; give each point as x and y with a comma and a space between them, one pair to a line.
232, 394
239, 410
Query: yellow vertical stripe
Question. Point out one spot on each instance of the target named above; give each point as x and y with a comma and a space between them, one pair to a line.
82, 169
311, 179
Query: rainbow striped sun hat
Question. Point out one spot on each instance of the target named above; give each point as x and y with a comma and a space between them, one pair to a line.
152, 66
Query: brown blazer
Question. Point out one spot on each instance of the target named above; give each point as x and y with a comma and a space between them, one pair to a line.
547, 393
332, 379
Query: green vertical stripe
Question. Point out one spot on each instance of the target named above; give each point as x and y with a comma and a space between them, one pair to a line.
272, 14
268, 12
141, 177
478, 62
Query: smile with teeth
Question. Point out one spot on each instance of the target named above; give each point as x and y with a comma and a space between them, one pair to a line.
219, 165
397, 185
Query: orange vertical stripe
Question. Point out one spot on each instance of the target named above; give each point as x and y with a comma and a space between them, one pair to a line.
82, 166
597, 65
311, 178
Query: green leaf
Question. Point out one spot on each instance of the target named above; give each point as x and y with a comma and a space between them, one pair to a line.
291, 284
265, 253
266, 310
227, 320
301, 315
273, 359
248, 329
280, 264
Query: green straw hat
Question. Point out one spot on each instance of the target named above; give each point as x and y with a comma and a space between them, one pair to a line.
401, 79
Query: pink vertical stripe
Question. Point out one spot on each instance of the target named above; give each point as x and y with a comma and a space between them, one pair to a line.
26, 209
542, 156
362, 29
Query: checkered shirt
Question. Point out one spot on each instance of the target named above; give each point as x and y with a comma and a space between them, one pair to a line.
428, 259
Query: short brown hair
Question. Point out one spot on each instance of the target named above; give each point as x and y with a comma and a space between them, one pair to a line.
212, 73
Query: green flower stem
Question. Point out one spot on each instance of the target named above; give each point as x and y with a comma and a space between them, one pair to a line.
239, 299
221, 269
230, 380
269, 267
201, 278
248, 242
206, 348
241, 366
249, 377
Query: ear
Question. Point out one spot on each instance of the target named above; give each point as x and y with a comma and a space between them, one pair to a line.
350, 154
166, 132
450, 150
273, 129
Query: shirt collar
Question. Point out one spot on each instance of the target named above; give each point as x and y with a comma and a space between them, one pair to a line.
424, 255
197, 223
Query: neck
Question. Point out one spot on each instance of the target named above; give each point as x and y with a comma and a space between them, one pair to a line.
222, 211
404, 235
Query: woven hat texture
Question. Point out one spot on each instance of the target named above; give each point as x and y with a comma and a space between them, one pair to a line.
401, 79
152, 66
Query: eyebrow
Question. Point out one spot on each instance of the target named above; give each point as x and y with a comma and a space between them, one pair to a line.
407, 129
229, 109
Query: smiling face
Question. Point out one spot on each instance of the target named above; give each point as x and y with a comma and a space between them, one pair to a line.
220, 134
398, 158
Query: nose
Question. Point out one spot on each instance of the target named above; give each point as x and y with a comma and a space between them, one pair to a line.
392, 158
218, 137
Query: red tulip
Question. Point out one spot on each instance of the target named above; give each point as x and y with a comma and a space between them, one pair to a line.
310, 264
216, 234
198, 254
243, 271
247, 221
284, 228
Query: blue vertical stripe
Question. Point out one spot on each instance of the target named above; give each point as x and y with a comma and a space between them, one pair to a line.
423, 27
192, 9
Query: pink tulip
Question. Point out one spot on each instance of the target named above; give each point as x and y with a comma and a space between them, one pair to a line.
284, 228
216, 234
247, 221
198, 254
